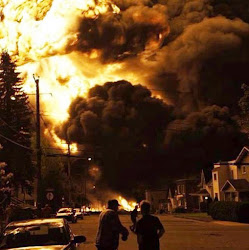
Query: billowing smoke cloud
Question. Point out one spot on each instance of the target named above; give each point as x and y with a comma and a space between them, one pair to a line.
231, 9
203, 138
118, 35
124, 122
183, 13
193, 53
206, 60
193, 49
196, 53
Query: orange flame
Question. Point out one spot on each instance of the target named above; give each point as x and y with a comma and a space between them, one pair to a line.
125, 205
40, 36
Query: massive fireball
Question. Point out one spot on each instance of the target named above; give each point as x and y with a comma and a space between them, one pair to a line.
40, 36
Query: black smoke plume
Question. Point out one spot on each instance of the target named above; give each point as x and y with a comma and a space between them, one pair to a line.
198, 49
203, 138
196, 53
118, 36
125, 125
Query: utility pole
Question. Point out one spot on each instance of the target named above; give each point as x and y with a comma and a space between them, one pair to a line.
85, 170
69, 156
38, 141
69, 173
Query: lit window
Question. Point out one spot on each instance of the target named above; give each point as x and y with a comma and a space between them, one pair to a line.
215, 177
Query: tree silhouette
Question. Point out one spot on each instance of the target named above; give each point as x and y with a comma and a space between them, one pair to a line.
15, 122
5, 185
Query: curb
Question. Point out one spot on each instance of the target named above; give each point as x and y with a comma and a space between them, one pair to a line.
194, 218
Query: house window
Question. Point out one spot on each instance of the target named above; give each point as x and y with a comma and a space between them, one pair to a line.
243, 170
215, 177
232, 175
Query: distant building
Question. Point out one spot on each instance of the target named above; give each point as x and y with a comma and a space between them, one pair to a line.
184, 188
231, 178
171, 200
204, 193
179, 197
157, 199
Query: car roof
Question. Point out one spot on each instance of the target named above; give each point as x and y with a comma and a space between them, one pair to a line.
56, 221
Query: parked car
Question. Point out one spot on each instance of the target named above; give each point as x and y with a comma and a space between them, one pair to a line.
78, 213
67, 213
86, 211
49, 233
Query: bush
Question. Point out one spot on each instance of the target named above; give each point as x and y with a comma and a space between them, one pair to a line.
243, 212
203, 206
230, 211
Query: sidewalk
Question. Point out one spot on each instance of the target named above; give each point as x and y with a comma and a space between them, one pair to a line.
195, 216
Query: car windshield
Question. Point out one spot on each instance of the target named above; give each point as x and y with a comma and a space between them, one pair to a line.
33, 235
65, 210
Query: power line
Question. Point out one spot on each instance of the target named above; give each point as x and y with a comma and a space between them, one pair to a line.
16, 143
18, 133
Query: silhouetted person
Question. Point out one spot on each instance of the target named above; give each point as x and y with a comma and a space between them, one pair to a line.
134, 215
46, 211
149, 229
109, 228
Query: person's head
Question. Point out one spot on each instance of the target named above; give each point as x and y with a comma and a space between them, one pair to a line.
113, 204
145, 207
136, 207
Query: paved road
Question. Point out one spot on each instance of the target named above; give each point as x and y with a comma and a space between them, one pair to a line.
180, 234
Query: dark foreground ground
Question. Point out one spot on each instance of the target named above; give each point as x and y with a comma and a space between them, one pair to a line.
180, 234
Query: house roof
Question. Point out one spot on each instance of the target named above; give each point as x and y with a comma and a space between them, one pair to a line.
210, 183
242, 153
237, 185
207, 174
171, 191
186, 180
225, 162
201, 192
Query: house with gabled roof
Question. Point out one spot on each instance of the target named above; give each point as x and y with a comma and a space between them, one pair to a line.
231, 178
204, 191
179, 194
